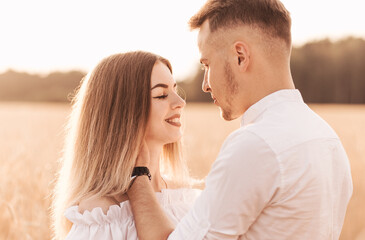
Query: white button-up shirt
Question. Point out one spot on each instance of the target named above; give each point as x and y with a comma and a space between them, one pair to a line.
283, 174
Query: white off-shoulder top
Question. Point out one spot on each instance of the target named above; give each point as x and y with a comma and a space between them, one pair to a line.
118, 223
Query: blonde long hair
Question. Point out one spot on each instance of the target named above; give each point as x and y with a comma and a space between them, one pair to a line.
105, 131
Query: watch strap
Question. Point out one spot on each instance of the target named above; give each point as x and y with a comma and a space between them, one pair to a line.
140, 171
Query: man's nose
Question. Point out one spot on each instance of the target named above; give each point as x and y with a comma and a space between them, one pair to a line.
205, 84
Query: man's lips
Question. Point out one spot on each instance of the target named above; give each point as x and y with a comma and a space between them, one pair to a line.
174, 120
215, 100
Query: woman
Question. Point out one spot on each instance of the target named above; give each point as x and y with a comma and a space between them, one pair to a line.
126, 100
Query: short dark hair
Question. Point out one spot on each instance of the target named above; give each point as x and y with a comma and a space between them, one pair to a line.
269, 15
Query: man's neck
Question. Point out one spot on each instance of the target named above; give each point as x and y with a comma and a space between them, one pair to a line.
271, 85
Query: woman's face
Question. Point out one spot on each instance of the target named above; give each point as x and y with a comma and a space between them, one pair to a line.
166, 105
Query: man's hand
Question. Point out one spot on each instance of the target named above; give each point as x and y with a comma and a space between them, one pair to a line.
150, 219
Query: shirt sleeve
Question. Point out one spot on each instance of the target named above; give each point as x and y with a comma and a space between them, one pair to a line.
242, 182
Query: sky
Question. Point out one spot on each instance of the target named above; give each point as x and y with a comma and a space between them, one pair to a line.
40, 36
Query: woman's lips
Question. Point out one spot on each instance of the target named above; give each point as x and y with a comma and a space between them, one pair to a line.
174, 120
176, 124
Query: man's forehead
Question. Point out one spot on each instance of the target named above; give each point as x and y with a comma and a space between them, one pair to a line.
203, 35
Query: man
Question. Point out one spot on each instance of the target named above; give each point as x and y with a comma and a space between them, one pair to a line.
284, 173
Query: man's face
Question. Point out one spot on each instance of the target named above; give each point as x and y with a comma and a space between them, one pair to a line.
219, 79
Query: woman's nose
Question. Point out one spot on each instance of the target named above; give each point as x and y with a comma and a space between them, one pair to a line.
178, 102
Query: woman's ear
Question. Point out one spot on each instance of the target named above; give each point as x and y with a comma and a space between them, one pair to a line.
242, 55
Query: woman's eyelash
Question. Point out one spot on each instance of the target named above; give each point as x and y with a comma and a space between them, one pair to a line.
161, 97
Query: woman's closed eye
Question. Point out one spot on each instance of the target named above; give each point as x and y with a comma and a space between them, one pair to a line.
161, 96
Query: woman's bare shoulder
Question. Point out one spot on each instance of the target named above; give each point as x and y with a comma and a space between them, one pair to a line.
88, 204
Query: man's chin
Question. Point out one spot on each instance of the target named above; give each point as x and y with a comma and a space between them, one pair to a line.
226, 115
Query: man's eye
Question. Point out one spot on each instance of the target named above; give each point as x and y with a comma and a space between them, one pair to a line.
161, 97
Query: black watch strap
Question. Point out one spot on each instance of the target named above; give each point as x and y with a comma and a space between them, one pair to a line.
140, 171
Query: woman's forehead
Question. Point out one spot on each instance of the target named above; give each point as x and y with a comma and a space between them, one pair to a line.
161, 74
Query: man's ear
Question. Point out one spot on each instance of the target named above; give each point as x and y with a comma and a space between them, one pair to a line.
242, 53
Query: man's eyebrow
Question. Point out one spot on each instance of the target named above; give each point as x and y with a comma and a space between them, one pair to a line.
161, 85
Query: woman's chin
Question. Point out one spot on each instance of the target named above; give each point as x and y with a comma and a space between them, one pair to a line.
174, 139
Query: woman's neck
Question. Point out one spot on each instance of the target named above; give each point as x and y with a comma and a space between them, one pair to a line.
155, 151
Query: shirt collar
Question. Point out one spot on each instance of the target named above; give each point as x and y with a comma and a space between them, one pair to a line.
285, 95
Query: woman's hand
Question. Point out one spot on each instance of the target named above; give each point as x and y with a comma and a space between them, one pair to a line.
143, 159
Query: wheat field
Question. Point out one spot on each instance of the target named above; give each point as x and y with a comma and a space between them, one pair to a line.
32, 137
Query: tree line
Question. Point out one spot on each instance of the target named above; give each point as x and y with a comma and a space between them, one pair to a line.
324, 71
55, 87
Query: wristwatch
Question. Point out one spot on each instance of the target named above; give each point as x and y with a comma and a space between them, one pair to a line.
140, 171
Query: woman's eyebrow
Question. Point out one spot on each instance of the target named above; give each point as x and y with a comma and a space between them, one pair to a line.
161, 85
